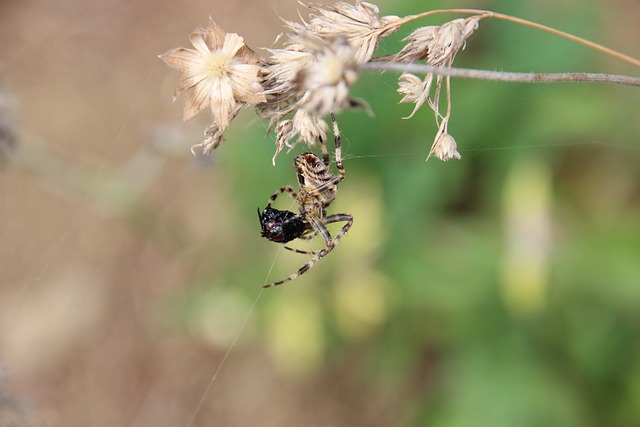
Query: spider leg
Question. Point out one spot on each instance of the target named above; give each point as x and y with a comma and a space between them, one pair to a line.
331, 243
300, 251
336, 133
307, 236
286, 189
347, 218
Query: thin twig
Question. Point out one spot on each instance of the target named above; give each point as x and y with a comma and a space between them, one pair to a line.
503, 76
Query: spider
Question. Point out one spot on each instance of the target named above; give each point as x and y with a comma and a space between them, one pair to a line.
317, 191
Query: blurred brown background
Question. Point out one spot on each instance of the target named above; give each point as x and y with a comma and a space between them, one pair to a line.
127, 268
88, 264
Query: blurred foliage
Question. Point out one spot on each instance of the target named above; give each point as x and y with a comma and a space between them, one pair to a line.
502, 289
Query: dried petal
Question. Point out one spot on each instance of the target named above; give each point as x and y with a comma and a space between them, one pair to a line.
220, 72
415, 90
212, 140
310, 128
359, 23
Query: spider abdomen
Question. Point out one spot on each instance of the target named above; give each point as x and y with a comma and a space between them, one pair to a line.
315, 177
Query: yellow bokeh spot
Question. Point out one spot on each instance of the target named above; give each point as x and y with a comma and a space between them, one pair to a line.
527, 225
360, 302
295, 333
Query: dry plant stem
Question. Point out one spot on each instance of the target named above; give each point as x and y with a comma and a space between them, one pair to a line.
489, 14
503, 76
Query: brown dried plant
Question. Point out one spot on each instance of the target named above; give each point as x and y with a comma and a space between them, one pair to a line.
295, 86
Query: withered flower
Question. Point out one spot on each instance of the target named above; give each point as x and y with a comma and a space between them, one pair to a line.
358, 23
213, 137
221, 72
444, 146
438, 45
307, 126
414, 89
325, 82
284, 66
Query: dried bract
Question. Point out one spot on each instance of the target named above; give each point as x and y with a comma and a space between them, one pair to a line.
444, 146
414, 89
325, 82
221, 72
309, 128
280, 74
359, 24
212, 139
438, 45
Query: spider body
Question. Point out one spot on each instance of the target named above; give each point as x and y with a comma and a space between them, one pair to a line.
318, 187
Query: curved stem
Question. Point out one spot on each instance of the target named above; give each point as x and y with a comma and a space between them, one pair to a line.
503, 76
489, 14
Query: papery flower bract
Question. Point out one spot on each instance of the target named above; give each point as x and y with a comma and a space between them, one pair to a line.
221, 72
414, 89
310, 128
213, 137
358, 23
444, 146
284, 66
438, 45
325, 82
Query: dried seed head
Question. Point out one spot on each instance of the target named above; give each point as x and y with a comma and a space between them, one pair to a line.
359, 23
284, 134
310, 128
284, 66
444, 147
414, 89
213, 138
213, 135
313, 73
438, 45
221, 72
325, 82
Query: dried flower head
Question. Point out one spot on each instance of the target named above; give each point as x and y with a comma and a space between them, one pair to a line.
325, 82
414, 89
213, 138
221, 72
282, 70
438, 45
444, 146
310, 128
359, 23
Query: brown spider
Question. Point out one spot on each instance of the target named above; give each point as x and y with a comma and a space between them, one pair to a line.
317, 191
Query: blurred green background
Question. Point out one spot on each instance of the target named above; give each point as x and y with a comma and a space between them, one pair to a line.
499, 290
